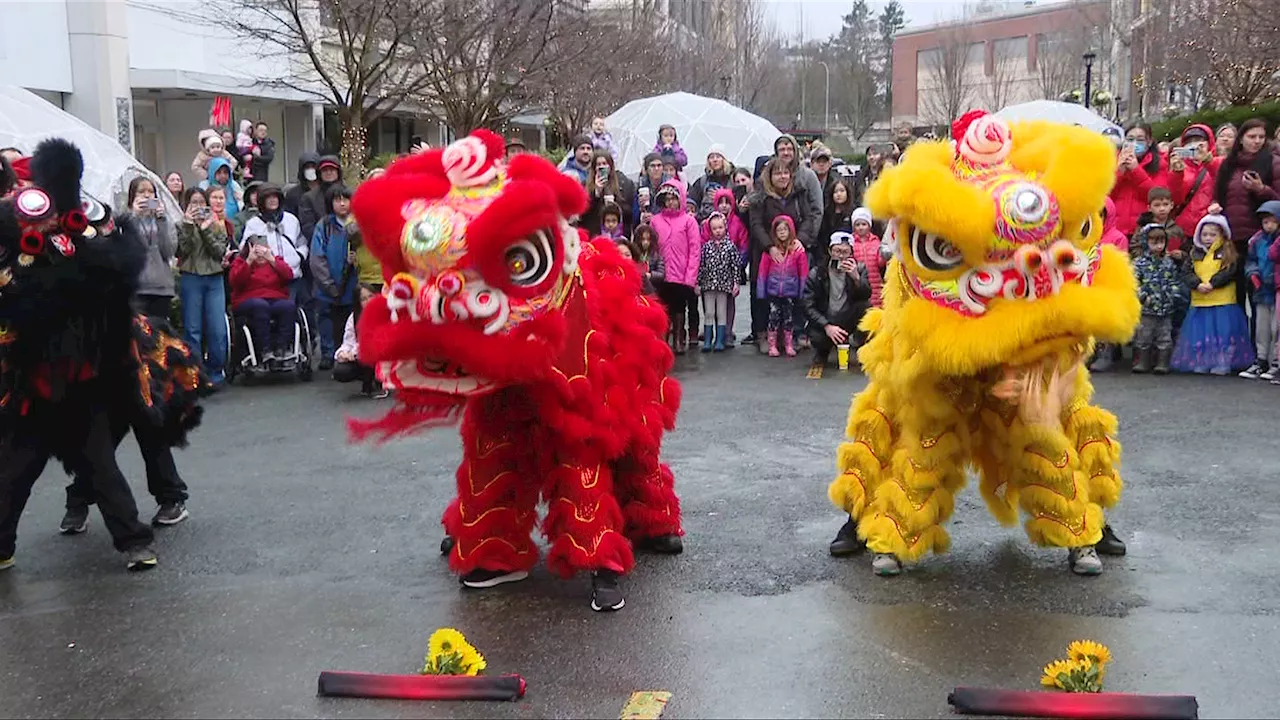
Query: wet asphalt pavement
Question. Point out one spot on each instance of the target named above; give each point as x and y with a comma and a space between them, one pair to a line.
306, 554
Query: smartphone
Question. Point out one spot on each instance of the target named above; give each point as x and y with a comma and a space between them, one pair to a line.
834, 264
739, 192
153, 204
602, 173
1186, 153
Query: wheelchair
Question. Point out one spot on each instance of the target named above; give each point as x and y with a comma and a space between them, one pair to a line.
244, 360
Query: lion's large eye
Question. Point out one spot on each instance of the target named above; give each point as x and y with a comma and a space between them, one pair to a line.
1086, 227
933, 252
530, 260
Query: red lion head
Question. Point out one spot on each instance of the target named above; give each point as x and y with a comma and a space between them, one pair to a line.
478, 258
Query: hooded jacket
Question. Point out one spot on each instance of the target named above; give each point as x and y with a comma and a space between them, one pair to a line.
673, 150
1194, 204
234, 193
678, 238
335, 278
1159, 278
1129, 194
1208, 265
200, 164
315, 202
1111, 234
280, 228
293, 194
1258, 263
737, 230
161, 245
805, 181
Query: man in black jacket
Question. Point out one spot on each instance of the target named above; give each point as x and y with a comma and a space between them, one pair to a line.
264, 151
836, 296
314, 204
308, 178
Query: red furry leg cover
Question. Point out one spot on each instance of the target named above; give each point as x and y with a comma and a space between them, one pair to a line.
646, 489
493, 515
414, 411
584, 522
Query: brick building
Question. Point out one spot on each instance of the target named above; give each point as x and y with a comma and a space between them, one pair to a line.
993, 59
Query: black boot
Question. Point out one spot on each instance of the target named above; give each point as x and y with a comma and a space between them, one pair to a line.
446, 545
847, 542
1110, 544
662, 544
1141, 360
1162, 361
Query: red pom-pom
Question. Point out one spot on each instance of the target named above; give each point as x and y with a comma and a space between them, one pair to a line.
74, 221
31, 242
961, 125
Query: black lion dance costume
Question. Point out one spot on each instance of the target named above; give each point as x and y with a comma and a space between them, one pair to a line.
77, 366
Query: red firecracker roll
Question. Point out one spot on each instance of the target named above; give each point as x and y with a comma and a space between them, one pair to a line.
1039, 704
421, 687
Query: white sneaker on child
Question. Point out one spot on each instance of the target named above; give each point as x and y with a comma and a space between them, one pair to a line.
1270, 374
1253, 371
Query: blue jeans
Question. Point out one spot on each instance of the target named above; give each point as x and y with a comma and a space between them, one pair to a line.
331, 321
204, 314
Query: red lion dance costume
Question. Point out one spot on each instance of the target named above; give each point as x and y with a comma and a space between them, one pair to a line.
499, 313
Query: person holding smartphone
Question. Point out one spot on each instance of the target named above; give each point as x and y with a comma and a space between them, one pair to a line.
155, 284
1249, 176
1139, 167
604, 186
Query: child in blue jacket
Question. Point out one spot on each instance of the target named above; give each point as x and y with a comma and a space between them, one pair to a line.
1259, 270
333, 271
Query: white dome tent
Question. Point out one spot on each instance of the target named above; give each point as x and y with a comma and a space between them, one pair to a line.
700, 122
26, 119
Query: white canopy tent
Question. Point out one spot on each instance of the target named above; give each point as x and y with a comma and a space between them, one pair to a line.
26, 119
699, 121
1062, 112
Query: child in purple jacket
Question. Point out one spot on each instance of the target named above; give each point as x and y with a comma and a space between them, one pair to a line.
782, 282
668, 145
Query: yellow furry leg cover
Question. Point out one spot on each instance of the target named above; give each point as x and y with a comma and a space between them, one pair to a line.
991, 446
1092, 431
862, 460
910, 504
1052, 488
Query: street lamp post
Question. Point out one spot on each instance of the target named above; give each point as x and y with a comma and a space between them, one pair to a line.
1088, 77
826, 111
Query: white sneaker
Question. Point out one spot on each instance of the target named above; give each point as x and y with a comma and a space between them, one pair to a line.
1252, 372
1270, 374
1085, 561
885, 565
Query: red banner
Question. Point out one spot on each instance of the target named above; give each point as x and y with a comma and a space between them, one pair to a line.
220, 114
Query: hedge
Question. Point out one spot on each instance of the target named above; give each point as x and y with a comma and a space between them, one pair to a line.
1172, 128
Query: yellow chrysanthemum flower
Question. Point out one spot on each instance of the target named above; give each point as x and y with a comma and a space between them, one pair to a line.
472, 661
1089, 650
445, 640
1054, 670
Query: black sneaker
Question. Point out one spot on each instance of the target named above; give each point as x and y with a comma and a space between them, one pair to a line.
847, 542
606, 596
170, 514
75, 521
663, 545
482, 578
142, 559
446, 545
326, 364
1110, 544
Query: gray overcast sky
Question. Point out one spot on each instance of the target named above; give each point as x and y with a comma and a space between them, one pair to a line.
822, 17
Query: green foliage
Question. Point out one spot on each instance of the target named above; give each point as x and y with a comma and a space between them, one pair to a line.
1173, 127
380, 160
555, 155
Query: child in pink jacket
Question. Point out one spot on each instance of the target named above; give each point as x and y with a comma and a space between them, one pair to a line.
782, 282
680, 245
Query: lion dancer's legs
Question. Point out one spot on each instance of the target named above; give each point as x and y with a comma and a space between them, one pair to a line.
1053, 489
903, 520
584, 525
645, 489
490, 521
861, 462
1092, 431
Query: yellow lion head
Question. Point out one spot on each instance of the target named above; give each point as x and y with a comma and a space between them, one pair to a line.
996, 241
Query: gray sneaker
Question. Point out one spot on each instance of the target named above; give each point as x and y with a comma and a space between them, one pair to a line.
1085, 561
885, 565
170, 514
6, 562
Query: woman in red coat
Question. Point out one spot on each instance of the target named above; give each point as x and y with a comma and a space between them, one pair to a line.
1139, 168
1192, 177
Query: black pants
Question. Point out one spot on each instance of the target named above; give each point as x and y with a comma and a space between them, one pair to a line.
163, 480
160, 306
822, 345
345, 372
90, 452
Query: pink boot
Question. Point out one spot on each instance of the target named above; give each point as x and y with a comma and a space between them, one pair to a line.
773, 344
791, 348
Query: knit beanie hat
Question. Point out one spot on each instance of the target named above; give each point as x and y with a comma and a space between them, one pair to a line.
206, 135
717, 149
862, 214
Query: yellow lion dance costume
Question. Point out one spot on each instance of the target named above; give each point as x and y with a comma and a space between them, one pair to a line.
996, 294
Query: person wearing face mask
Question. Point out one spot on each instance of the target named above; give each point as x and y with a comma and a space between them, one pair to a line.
1139, 168
211, 147
308, 179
